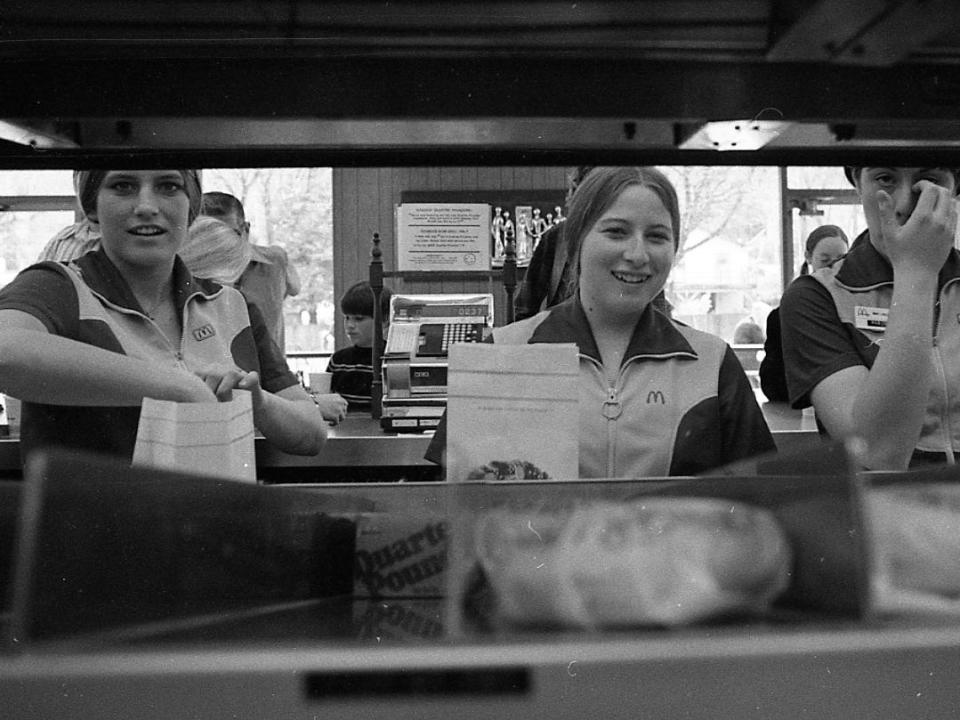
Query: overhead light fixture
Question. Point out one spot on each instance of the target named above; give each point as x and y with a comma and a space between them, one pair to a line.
25, 135
733, 135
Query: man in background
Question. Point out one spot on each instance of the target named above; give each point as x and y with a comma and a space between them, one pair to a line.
269, 278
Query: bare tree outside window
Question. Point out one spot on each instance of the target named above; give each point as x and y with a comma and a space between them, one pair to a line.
728, 261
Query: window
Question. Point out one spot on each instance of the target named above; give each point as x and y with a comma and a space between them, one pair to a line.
34, 206
732, 265
728, 266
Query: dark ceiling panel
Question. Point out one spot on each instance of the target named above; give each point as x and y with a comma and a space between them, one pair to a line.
602, 77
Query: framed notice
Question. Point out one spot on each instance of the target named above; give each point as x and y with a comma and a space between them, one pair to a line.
443, 236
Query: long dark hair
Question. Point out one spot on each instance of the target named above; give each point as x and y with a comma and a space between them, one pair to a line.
597, 192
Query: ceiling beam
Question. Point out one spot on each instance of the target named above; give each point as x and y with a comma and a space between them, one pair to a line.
877, 33
397, 87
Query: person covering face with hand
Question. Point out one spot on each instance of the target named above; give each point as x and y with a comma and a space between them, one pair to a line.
82, 343
873, 343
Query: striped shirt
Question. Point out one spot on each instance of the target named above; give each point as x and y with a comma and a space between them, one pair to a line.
352, 370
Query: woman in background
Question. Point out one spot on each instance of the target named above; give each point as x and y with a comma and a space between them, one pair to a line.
824, 246
83, 343
657, 397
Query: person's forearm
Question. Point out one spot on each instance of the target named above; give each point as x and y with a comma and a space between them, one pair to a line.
293, 426
889, 410
42, 368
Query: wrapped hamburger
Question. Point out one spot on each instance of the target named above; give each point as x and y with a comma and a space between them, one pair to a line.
916, 539
657, 561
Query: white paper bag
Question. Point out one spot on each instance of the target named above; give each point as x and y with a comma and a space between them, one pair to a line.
513, 412
213, 438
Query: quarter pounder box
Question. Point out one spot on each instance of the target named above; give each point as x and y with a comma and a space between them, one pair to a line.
400, 556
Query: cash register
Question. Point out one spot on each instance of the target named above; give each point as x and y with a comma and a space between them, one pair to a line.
414, 363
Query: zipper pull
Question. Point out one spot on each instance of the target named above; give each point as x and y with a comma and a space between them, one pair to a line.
612, 409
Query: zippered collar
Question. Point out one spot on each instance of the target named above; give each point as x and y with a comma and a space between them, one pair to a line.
103, 278
654, 337
864, 268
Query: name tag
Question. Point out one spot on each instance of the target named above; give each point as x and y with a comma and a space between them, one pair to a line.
870, 318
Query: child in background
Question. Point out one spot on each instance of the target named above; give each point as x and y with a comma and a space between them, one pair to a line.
352, 367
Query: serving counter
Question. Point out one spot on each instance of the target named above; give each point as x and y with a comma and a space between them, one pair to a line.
358, 450
302, 656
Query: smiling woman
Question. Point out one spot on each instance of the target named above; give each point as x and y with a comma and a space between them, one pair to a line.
83, 343
656, 397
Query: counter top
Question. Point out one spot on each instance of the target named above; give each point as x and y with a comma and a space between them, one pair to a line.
359, 442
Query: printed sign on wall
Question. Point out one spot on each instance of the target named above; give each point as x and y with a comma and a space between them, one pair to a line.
443, 236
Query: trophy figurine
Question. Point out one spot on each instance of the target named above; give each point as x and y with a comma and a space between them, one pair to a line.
537, 227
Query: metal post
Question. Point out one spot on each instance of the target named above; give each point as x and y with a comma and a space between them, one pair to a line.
510, 275
376, 283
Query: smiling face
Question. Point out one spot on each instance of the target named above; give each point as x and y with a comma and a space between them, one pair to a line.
143, 216
626, 255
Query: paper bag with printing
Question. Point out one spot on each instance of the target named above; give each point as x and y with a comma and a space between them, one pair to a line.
213, 438
512, 412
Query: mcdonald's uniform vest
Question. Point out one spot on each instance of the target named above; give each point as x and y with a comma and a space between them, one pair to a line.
219, 327
860, 288
681, 403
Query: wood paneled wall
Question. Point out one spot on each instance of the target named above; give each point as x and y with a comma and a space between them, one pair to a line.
363, 204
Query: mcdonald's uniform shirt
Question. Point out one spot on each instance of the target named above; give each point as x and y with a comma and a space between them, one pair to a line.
686, 405
835, 318
89, 301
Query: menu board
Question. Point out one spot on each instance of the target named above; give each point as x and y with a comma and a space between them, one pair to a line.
443, 236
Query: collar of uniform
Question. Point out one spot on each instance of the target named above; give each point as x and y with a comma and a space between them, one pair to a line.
655, 335
102, 276
864, 267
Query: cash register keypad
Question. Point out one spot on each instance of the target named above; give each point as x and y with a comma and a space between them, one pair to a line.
460, 332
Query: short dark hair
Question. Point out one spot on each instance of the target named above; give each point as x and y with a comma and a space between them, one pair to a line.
358, 300
218, 204
853, 173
